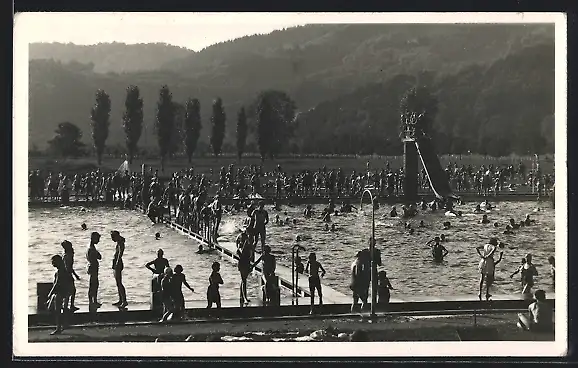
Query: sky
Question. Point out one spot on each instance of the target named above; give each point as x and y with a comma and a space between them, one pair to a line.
196, 31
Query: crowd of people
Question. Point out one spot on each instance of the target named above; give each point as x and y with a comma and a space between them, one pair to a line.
242, 181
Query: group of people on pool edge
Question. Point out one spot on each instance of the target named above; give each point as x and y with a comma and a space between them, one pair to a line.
63, 289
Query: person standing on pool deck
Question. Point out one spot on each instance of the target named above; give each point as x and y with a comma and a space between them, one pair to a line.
69, 265
487, 265
245, 253
360, 278
313, 266
61, 288
215, 279
177, 282
117, 266
160, 264
261, 219
93, 256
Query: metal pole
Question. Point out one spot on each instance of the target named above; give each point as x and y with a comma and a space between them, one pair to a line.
372, 251
293, 275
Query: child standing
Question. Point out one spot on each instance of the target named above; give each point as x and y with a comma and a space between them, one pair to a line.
215, 280
61, 289
167, 291
313, 266
383, 289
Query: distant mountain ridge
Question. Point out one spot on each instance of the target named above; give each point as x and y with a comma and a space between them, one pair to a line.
323, 68
111, 57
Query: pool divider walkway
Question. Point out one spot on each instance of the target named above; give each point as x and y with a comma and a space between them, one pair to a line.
229, 250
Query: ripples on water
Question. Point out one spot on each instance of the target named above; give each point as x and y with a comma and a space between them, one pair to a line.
405, 257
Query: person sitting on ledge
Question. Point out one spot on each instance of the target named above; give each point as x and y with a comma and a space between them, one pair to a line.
539, 317
485, 219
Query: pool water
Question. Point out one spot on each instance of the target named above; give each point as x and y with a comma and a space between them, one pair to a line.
49, 227
405, 257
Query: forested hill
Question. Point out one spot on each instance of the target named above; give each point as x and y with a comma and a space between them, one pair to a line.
110, 57
492, 82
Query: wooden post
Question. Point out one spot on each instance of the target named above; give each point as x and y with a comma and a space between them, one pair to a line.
42, 290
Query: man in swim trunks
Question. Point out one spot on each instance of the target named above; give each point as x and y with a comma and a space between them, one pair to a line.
313, 266
118, 266
360, 279
260, 219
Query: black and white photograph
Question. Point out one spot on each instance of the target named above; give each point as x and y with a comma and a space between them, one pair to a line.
290, 183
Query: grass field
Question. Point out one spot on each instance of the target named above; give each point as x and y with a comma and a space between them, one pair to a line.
288, 163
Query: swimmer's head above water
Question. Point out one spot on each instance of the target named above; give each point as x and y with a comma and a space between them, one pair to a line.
83, 226
157, 236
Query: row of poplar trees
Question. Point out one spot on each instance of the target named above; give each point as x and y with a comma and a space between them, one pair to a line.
274, 110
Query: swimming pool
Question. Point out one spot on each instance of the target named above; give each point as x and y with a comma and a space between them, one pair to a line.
405, 257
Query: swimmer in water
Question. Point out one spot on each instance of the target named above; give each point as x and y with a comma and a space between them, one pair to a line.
83, 226
513, 224
393, 212
447, 225
421, 223
552, 263
411, 231
278, 220
478, 209
443, 238
308, 211
496, 224
528, 221
508, 230
485, 219
294, 221
326, 228
157, 236
333, 227
438, 251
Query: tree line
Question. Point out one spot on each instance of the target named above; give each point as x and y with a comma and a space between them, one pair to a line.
177, 126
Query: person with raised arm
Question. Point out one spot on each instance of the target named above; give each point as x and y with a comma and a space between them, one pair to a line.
487, 265
61, 289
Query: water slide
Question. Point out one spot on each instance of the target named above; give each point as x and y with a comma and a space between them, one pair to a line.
436, 175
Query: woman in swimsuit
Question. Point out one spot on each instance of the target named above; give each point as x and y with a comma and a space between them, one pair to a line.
118, 266
487, 265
